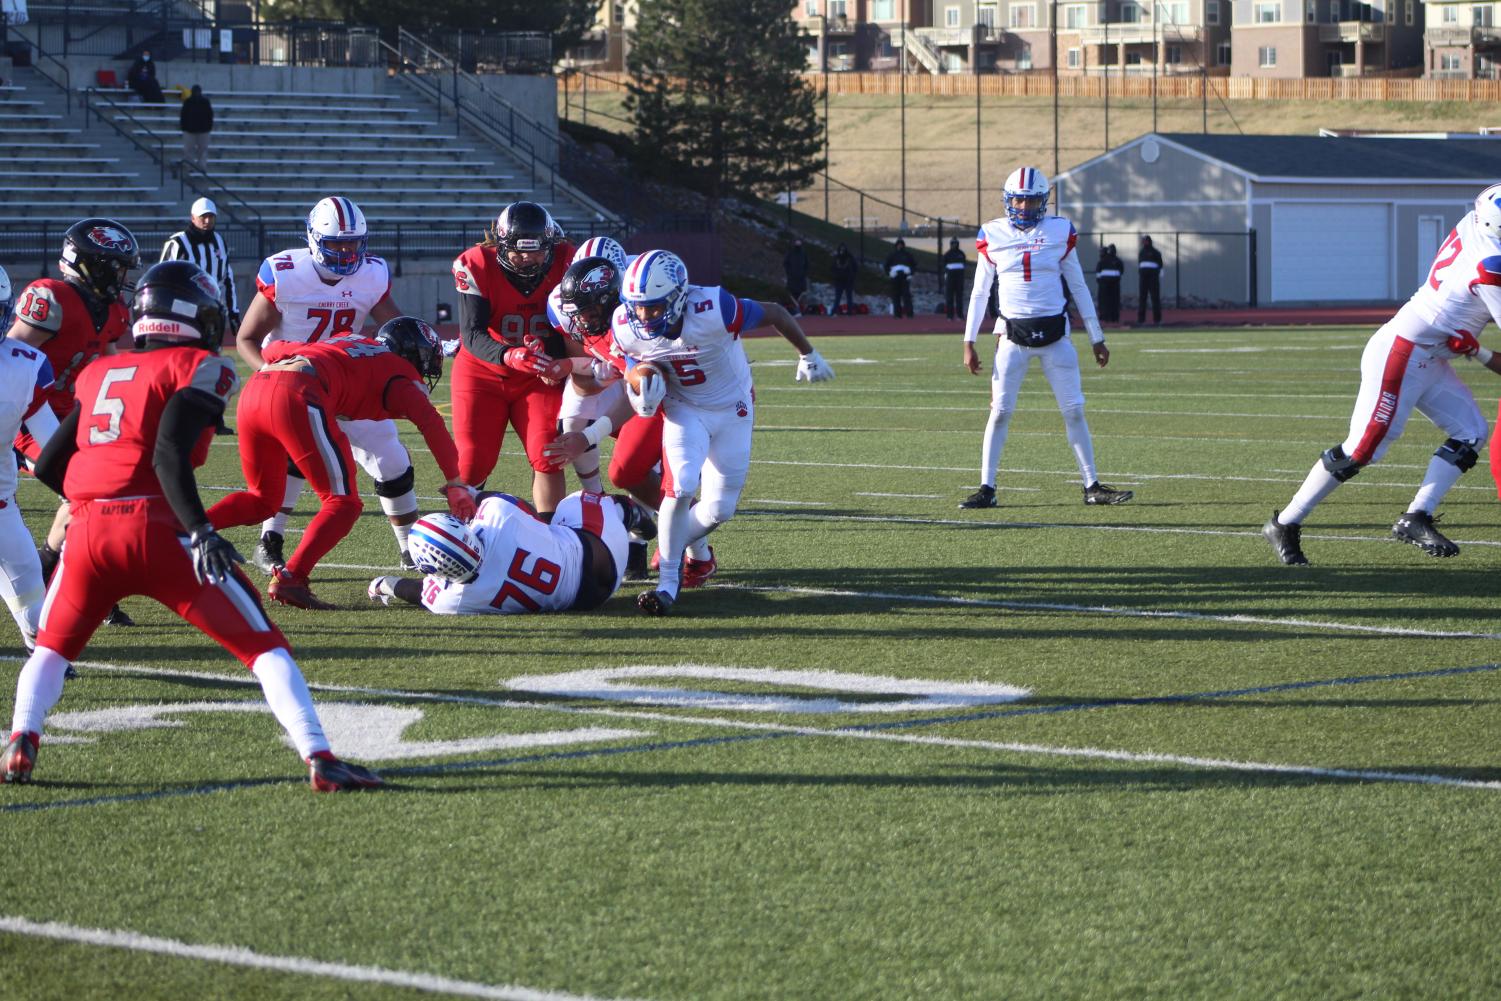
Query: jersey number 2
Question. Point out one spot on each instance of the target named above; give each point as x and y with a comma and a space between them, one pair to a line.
106, 407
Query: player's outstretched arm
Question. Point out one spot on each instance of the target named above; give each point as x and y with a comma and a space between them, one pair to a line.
260, 319
571, 444
383, 589
810, 366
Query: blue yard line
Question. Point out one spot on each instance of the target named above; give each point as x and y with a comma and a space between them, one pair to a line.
742, 738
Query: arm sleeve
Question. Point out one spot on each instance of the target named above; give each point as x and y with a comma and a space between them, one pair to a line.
474, 330
187, 415
41, 425
405, 400
979, 296
1073, 274
52, 464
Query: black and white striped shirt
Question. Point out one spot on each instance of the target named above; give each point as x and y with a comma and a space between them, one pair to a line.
209, 253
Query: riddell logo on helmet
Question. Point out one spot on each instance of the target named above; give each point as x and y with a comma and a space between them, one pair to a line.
147, 326
111, 239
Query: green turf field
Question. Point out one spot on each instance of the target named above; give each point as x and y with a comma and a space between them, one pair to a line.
1224, 778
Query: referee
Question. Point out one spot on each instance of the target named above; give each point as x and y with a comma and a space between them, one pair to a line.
205, 248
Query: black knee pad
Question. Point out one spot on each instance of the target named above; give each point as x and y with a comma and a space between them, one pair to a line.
1459, 453
1340, 465
398, 487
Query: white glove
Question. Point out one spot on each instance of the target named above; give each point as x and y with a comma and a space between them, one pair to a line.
812, 368
649, 399
382, 589
604, 373
450, 347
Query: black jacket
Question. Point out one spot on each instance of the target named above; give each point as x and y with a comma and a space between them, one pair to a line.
197, 115
844, 268
901, 255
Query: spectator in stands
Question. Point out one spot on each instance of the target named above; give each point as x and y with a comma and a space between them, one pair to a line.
795, 265
196, 121
1149, 281
953, 281
142, 79
842, 273
899, 267
1107, 279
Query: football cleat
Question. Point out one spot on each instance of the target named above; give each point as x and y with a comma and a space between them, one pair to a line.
268, 555
1417, 528
288, 588
635, 562
20, 757
984, 497
654, 602
637, 516
117, 617
696, 573
327, 773
407, 563
1286, 541
1098, 493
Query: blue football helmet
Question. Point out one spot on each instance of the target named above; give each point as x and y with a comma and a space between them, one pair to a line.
1029, 186
337, 220
656, 283
1488, 212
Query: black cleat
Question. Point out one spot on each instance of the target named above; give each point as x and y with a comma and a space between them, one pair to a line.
638, 517
19, 757
117, 617
654, 602
1098, 493
1417, 528
635, 562
327, 773
1286, 541
984, 497
268, 556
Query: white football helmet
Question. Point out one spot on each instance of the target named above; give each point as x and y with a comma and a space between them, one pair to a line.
1488, 212
443, 546
1029, 185
656, 284
337, 220
7, 303
602, 246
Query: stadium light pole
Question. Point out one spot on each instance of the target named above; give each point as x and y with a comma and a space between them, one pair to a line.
1053, 55
1105, 75
979, 167
902, 100
1156, 59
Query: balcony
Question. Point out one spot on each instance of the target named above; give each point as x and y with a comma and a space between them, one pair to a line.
840, 25
1137, 34
1353, 31
946, 36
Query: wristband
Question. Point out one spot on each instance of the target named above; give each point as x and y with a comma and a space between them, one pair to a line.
1484, 355
598, 431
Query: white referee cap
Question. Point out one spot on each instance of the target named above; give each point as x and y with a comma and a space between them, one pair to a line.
204, 206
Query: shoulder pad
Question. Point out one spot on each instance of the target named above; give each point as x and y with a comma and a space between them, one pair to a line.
1487, 272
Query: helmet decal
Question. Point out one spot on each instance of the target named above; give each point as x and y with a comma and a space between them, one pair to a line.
111, 238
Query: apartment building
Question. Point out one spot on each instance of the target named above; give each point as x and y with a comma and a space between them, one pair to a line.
1139, 38
1310, 38
1462, 40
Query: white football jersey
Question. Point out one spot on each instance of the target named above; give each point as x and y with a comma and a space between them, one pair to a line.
1462, 291
706, 365
313, 310
1029, 267
25, 376
530, 565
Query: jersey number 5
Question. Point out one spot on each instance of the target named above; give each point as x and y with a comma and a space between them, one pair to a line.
109, 409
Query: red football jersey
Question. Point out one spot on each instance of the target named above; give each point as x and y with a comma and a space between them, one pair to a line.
123, 397
477, 271
59, 308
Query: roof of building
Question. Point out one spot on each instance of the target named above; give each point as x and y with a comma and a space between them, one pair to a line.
1339, 158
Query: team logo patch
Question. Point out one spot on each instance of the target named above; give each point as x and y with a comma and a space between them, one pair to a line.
111, 238
597, 280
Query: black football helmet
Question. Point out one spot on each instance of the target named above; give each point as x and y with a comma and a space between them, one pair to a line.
409, 338
98, 254
588, 295
177, 304
525, 226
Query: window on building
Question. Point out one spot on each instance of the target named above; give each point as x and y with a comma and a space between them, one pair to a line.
1130, 13
1409, 14
883, 10
951, 17
839, 8
1073, 59
1212, 12
1311, 11
1482, 17
986, 15
810, 8
1133, 58
1023, 15
1449, 15
1333, 11
1266, 56
1173, 12
1267, 13
1075, 16
1024, 59
1222, 54
1449, 62
1173, 55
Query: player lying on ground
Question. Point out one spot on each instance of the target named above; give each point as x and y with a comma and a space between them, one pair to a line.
510, 562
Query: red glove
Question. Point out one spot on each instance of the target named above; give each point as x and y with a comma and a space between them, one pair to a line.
460, 502
524, 359
1463, 343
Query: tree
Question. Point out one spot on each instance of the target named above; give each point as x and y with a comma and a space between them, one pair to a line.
716, 89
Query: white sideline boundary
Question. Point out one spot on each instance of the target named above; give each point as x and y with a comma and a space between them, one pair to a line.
233, 955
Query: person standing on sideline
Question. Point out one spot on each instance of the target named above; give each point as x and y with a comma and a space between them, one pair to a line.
1025, 255
842, 271
953, 279
795, 264
205, 247
1107, 278
1405, 365
899, 267
1148, 281
196, 121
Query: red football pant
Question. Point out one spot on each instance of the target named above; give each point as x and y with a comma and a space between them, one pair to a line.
117, 548
283, 415
638, 449
484, 403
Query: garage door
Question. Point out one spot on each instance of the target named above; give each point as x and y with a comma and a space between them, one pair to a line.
1328, 253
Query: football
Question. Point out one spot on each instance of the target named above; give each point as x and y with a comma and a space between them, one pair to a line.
638, 373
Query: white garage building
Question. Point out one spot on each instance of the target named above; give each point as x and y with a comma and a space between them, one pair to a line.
1279, 220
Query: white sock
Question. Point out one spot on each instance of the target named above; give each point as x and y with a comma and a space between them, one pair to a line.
403, 532
286, 692
995, 442
1318, 485
699, 549
278, 522
1077, 430
673, 532
38, 689
586, 467
1441, 476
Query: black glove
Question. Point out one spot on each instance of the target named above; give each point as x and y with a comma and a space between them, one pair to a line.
214, 556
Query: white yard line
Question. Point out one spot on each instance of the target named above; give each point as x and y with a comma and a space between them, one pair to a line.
233, 955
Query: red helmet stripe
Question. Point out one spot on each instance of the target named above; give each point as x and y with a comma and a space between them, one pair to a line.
460, 543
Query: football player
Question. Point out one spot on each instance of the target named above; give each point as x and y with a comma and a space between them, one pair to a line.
296, 407
511, 365
73, 321
510, 562
692, 333
126, 461
1405, 365
1024, 255
325, 290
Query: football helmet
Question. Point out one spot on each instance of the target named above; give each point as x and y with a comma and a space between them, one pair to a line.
411, 339
443, 546
1488, 212
337, 236
602, 246
655, 293
524, 227
1029, 186
7, 304
98, 255
177, 304
588, 295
